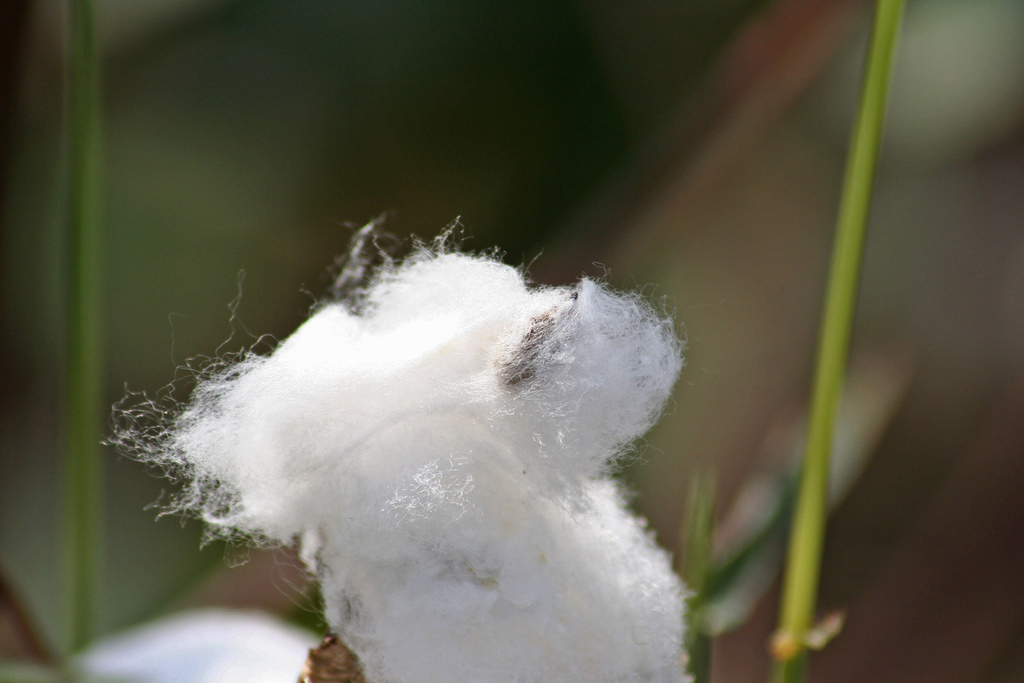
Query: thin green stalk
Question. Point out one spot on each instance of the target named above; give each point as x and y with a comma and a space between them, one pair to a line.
82, 476
804, 556
697, 571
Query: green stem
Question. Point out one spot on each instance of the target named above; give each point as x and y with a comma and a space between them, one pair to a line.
804, 556
697, 549
82, 476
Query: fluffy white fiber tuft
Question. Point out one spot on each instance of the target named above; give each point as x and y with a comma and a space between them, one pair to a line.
440, 443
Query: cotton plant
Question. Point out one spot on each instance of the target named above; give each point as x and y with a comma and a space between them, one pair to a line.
439, 439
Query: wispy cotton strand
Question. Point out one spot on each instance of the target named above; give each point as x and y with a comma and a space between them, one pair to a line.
440, 442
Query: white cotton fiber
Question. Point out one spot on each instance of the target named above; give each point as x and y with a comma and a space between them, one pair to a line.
204, 646
440, 442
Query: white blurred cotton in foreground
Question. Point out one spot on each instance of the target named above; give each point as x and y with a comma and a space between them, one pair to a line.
440, 442
209, 646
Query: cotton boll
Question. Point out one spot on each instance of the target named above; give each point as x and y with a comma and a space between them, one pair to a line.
439, 442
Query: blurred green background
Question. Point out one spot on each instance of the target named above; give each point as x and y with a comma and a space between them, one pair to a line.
694, 149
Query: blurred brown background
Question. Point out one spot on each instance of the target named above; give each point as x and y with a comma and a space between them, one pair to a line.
693, 148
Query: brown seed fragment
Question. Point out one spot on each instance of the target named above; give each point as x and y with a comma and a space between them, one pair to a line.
521, 364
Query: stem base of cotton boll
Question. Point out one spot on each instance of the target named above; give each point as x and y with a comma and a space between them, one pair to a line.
332, 662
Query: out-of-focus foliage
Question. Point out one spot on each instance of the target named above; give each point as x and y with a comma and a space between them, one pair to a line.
696, 146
